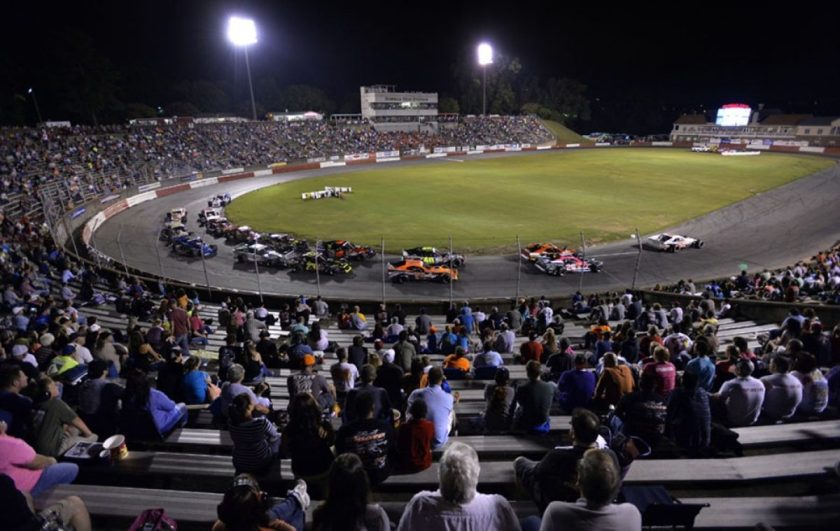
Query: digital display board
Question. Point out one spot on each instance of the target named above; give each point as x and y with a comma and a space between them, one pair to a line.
733, 114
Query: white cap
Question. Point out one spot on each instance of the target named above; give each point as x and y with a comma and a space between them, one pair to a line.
19, 350
388, 355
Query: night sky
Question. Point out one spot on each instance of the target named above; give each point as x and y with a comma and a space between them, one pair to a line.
680, 56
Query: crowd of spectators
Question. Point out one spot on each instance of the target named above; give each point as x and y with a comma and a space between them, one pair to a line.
100, 160
814, 281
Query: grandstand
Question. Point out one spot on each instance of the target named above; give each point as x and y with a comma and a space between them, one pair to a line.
780, 475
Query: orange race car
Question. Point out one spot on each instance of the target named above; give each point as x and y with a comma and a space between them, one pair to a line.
533, 251
404, 270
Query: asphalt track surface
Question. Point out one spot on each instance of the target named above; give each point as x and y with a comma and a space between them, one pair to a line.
768, 230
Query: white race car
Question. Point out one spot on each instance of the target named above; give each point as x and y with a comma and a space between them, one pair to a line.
672, 243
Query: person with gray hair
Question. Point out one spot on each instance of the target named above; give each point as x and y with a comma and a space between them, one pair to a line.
233, 388
599, 479
739, 401
457, 504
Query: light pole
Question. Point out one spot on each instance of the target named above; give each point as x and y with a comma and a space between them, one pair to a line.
242, 32
485, 57
35, 101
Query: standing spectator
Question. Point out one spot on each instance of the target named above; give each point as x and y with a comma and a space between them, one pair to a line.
405, 351
414, 440
60, 427
371, 439
534, 400
423, 322
347, 505
457, 504
741, 397
783, 391
616, 381
179, 322
599, 480
702, 366
689, 417
344, 375
389, 376
256, 443
439, 404
357, 354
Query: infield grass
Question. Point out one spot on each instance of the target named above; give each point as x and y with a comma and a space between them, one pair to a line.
552, 196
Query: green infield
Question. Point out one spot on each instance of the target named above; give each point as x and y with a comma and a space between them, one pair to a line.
553, 196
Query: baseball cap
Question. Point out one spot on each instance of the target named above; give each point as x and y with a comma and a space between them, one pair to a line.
308, 360
69, 349
389, 355
19, 350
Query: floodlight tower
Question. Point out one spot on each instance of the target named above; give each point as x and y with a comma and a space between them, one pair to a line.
485, 57
242, 32
35, 101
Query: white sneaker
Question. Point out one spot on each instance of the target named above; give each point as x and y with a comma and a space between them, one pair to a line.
299, 492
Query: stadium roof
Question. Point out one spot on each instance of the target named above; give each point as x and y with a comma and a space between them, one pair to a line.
819, 120
786, 119
692, 119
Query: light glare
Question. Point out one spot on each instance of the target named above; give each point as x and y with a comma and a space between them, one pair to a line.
485, 54
241, 31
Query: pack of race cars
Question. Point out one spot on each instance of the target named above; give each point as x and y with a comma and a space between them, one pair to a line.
283, 251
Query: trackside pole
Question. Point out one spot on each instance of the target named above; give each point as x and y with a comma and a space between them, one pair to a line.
583, 254
450, 271
518, 266
70, 234
317, 273
119, 244
157, 251
257, 268
382, 257
638, 258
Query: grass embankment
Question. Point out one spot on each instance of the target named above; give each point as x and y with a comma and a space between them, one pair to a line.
485, 204
563, 134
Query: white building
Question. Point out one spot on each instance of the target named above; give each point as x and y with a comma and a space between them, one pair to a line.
387, 109
783, 129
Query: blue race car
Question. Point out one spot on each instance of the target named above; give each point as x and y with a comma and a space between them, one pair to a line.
193, 246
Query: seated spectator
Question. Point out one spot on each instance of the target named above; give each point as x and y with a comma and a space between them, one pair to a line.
347, 505
98, 400
488, 357
12, 381
457, 361
689, 418
599, 480
505, 339
19, 512
500, 403
308, 381
382, 408
663, 371
308, 439
534, 400
576, 388
554, 477
616, 380
58, 427
702, 366
741, 398
371, 439
439, 405
414, 440
31, 472
170, 378
814, 386
256, 443
357, 354
246, 506
389, 376
234, 387
783, 391
140, 397
298, 350
318, 338
404, 351
457, 504
198, 388
358, 320
532, 349
255, 369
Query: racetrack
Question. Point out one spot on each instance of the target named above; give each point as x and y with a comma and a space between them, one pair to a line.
767, 230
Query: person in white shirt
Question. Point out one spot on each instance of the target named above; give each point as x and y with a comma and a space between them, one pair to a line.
742, 397
783, 391
457, 505
598, 480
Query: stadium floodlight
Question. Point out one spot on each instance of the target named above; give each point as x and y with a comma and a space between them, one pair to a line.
485, 57
242, 32
35, 101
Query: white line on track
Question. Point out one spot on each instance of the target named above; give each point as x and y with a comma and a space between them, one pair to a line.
452, 160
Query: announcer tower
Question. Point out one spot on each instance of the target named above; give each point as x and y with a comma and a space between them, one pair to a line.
389, 110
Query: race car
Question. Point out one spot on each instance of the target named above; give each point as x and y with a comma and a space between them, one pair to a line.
533, 251
177, 215
217, 227
432, 257
672, 243
219, 200
193, 246
399, 272
567, 263
260, 253
209, 214
171, 231
345, 249
324, 265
